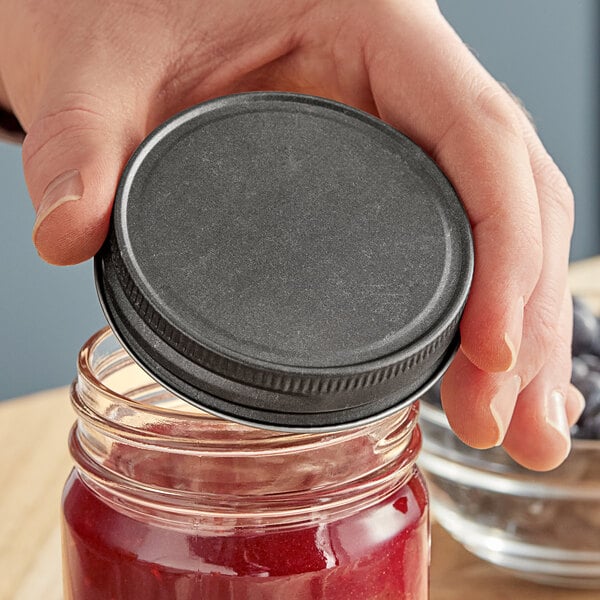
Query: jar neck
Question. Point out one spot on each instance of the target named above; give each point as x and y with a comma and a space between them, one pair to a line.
138, 446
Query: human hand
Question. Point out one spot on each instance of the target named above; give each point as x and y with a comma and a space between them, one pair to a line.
89, 80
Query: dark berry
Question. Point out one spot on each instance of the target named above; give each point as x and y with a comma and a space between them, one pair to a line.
589, 385
589, 430
588, 425
586, 329
592, 361
596, 343
579, 370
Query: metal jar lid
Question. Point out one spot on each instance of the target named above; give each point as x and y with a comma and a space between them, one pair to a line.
286, 261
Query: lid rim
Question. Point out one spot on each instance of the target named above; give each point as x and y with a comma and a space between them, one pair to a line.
272, 376
350, 416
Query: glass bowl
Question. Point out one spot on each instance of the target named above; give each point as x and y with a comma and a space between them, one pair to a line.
544, 527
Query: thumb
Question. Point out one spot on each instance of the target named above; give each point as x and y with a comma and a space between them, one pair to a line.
73, 155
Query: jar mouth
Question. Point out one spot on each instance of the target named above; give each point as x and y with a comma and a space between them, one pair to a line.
138, 443
92, 371
115, 393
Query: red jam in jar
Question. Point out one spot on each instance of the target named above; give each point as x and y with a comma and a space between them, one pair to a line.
168, 502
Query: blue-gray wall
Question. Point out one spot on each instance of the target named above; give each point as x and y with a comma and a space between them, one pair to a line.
46, 312
545, 50
548, 53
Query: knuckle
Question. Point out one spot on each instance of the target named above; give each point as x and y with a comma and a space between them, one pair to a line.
495, 106
549, 338
535, 254
533, 267
526, 240
549, 327
58, 127
548, 333
530, 240
555, 190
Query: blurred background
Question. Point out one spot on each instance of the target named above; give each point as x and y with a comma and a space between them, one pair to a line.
546, 51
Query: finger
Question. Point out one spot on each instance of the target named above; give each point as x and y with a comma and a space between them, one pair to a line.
441, 97
539, 436
542, 323
73, 154
547, 320
479, 405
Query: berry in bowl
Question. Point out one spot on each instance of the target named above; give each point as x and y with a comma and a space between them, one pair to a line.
543, 527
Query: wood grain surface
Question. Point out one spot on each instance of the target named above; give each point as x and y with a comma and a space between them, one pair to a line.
34, 463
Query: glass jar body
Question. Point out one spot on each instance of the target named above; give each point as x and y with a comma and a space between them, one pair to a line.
168, 502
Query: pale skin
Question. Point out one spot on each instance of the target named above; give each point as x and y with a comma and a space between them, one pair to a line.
89, 79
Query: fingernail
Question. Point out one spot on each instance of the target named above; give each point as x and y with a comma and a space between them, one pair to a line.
514, 333
503, 405
65, 188
556, 414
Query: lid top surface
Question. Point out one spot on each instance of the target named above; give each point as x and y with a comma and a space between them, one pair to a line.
290, 232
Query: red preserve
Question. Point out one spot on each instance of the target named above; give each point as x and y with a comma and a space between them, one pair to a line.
168, 502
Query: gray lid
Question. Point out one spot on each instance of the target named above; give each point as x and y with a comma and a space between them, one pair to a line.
286, 261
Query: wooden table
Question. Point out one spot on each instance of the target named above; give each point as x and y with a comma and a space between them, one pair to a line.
34, 463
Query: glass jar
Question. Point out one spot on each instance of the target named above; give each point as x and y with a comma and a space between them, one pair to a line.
168, 502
